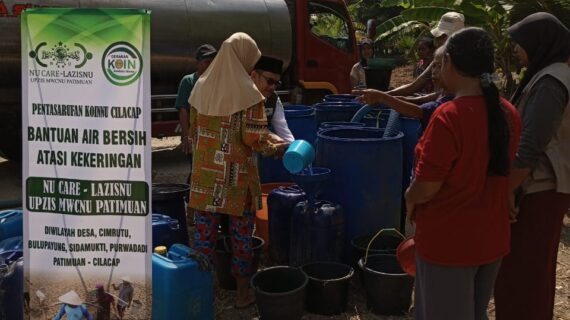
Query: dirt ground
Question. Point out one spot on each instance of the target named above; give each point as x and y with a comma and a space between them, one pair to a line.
170, 166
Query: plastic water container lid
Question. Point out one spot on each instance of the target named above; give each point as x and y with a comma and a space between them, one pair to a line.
160, 250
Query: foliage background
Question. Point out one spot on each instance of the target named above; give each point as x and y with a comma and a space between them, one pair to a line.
401, 23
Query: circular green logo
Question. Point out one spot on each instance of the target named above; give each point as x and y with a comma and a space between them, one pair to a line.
122, 63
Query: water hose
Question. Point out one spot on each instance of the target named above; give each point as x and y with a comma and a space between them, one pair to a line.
364, 110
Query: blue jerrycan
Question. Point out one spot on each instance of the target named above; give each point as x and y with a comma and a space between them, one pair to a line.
182, 285
166, 231
280, 204
317, 233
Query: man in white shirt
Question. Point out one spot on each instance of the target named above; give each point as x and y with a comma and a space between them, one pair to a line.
267, 75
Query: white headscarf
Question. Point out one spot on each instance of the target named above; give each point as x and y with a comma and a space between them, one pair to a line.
226, 86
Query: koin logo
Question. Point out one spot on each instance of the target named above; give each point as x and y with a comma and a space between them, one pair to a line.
122, 63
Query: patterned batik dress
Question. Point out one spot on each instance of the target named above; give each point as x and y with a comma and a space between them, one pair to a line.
225, 177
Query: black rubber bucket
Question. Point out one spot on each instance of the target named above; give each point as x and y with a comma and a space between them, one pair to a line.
327, 290
168, 199
386, 242
280, 293
224, 260
388, 287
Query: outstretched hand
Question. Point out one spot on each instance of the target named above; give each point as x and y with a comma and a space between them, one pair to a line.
369, 96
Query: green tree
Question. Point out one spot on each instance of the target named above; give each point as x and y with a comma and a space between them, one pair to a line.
492, 15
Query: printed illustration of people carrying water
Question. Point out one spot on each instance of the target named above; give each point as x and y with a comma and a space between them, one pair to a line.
126, 292
73, 307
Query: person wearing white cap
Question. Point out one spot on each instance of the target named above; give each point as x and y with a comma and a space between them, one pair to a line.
449, 23
126, 292
72, 307
357, 75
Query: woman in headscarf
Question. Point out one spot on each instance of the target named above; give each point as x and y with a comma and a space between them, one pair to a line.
357, 75
227, 125
540, 178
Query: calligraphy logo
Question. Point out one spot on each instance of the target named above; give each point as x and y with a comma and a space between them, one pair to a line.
61, 55
122, 63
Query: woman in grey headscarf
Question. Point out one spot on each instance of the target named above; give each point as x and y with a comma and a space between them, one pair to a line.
540, 178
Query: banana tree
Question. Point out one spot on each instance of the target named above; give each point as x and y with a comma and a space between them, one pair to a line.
490, 15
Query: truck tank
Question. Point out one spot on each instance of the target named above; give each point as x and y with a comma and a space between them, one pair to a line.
178, 27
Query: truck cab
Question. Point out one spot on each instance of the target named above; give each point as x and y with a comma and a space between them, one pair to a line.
325, 48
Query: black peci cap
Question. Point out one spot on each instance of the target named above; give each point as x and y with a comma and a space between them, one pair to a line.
269, 64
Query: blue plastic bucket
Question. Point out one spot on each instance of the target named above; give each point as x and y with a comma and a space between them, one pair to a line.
298, 156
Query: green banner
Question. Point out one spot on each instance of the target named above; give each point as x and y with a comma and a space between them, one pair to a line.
87, 156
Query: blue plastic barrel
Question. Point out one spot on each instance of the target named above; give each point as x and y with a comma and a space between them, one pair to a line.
366, 177
169, 199
411, 128
12, 278
11, 223
301, 122
335, 111
166, 231
182, 285
341, 97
